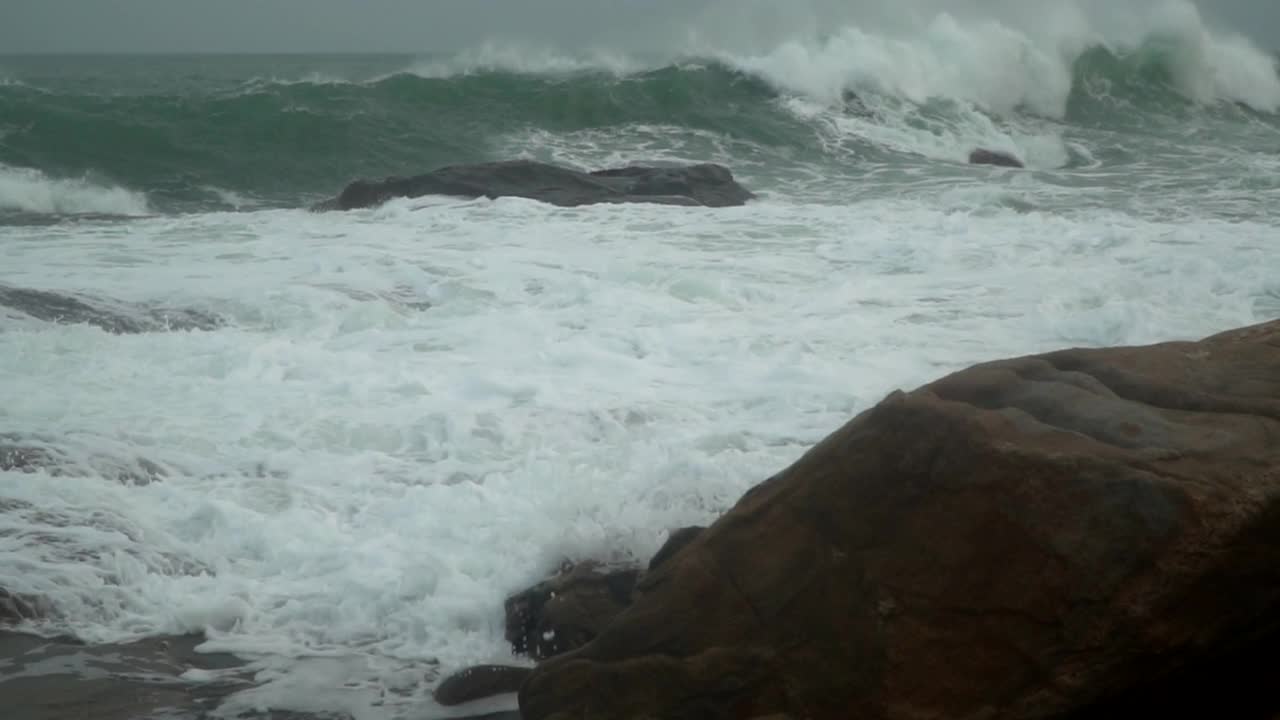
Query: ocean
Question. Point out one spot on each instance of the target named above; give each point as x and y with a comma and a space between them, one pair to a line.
332, 443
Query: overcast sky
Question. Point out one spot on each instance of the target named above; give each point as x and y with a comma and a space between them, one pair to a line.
445, 25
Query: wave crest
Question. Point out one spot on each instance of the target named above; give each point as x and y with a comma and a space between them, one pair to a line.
31, 191
1004, 67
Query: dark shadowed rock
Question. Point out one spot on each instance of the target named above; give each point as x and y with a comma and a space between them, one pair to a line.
114, 317
18, 457
568, 610
994, 157
1080, 534
15, 609
694, 185
478, 682
855, 105
36, 454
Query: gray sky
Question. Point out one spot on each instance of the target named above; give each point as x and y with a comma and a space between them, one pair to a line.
444, 25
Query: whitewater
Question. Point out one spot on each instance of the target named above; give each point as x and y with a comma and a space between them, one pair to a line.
405, 414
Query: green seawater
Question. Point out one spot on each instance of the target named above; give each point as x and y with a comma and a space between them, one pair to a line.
201, 133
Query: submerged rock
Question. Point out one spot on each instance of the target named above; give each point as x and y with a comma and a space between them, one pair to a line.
695, 185
994, 157
30, 454
1077, 534
15, 608
853, 104
114, 317
18, 457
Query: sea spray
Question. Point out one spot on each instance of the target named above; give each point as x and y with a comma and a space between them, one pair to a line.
31, 191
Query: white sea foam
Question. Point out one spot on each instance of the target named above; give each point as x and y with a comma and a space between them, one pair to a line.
230, 198
1000, 55
355, 481
258, 84
1211, 67
29, 190
525, 59
1002, 59
985, 71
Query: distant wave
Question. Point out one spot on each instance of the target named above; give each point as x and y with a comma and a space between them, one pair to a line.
31, 191
949, 84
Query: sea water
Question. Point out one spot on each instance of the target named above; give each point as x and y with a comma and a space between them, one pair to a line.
408, 412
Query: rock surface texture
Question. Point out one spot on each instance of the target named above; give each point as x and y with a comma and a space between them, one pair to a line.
694, 185
1066, 535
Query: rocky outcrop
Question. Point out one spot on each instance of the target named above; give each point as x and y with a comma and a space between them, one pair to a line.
568, 610
1068, 535
694, 185
114, 317
994, 157
559, 614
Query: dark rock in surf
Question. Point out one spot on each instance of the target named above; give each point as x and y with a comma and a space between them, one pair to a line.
854, 105
994, 157
692, 185
112, 316
18, 457
555, 616
481, 681
15, 608
1088, 533
562, 613
34, 454
568, 610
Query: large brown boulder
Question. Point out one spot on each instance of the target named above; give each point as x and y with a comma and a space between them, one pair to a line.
1053, 536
